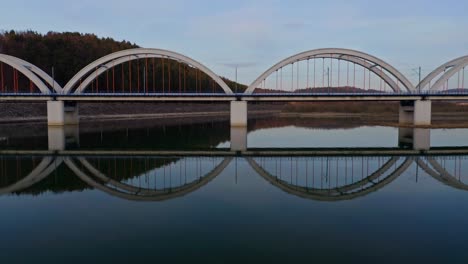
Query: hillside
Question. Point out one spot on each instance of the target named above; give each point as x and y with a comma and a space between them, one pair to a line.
69, 52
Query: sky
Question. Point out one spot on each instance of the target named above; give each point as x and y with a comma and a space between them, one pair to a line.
255, 34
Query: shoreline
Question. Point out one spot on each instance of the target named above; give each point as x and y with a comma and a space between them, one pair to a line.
117, 117
440, 120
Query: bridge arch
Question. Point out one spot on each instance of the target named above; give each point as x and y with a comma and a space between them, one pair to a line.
365, 60
100, 65
42, 80
444, 72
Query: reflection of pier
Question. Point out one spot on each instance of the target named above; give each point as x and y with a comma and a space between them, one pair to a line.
321, 174
67, 137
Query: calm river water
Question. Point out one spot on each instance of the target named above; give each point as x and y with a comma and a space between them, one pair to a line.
310, 191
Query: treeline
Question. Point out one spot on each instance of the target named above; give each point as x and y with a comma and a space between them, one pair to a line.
67, 53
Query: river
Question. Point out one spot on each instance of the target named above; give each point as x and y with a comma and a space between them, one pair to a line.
301, 190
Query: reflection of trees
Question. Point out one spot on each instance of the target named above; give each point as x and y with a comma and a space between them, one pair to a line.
110, 175
101, 181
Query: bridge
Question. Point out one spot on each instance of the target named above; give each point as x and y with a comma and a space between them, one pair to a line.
164, 76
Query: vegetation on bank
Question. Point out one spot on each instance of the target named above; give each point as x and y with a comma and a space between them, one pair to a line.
69, 52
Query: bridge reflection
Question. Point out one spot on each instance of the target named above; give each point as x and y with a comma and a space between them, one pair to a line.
156, 178
68, 137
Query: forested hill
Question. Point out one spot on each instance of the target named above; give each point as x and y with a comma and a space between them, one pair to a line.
69, 52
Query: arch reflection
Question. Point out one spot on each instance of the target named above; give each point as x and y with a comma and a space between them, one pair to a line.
203, 174
158, 178
438, 168
329, 185
27, 171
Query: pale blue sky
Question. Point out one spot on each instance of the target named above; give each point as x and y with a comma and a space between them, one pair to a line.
259, 33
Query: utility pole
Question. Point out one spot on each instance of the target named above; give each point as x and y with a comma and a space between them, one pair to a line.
419, 83
236, 79
144, 79
418, 72
53, 80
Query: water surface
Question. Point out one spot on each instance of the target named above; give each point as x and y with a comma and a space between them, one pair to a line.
113, 206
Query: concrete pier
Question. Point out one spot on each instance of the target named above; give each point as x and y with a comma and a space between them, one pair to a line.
417, 113
238, 113
60, 113
406, 113
422, 113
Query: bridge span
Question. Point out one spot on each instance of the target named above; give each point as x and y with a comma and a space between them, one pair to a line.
156, 75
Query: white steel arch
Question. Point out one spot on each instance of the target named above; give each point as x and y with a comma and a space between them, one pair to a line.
43, 75
345, 54
442, 69
103, 68
364, 64
131, 54
462, 63
32, 72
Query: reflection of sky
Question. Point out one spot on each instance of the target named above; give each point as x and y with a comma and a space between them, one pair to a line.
302, 137
365, 136
449, 137
298, 137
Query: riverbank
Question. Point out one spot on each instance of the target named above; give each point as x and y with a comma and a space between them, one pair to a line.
37, 112
375, 113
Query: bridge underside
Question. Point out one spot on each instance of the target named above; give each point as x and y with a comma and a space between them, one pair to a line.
413, 111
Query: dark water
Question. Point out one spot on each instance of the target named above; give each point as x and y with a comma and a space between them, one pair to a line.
313, 192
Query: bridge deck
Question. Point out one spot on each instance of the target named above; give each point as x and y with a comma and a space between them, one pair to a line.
219, 97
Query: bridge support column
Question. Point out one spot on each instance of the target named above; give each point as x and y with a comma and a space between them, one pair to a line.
406, 113
417, 113
60, 113
238, 138
63, 137
422, 112
238, 113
